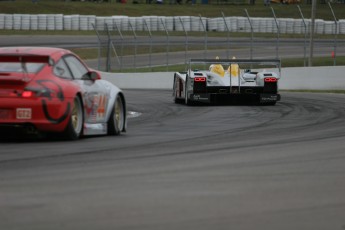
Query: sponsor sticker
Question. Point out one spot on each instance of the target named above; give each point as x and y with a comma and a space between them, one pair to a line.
198, 97
268, 98
23, 113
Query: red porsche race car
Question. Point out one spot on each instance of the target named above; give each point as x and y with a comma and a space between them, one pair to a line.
51, 90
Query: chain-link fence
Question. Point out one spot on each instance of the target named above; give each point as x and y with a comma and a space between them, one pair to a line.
151, 41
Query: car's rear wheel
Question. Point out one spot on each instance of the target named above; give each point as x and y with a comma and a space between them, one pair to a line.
74, 127
178, 91
116, 120
186, 98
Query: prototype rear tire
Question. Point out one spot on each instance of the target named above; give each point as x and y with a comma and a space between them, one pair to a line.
178, 100
74, 127
177, 91
116, 120
186, 99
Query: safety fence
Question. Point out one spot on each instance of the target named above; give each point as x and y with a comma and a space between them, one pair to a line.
130, 43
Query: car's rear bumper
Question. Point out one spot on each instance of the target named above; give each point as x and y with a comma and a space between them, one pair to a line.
234, 98
40, 114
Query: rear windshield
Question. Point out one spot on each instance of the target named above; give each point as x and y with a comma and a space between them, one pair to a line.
17, 67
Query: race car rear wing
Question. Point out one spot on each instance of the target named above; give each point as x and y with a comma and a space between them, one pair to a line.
258, 63
26, 58
275, 63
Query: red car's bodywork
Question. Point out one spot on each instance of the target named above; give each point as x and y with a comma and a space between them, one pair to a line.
41, 94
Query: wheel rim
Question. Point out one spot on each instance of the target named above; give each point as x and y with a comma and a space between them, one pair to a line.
77, 116
119, 119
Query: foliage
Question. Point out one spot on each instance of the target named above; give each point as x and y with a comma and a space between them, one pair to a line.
214, 9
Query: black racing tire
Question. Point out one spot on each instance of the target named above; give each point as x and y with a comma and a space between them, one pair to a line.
187, 101
116, 120
175, 91
176, 100
74, 128
179, 101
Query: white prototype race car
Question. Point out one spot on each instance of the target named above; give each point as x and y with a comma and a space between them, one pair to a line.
230, 85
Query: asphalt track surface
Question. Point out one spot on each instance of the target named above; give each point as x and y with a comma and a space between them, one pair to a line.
179, 167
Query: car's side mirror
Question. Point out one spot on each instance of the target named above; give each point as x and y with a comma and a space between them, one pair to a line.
94, 75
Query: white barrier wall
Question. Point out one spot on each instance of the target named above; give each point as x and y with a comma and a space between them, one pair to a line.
158, 23
310, 78
313, 78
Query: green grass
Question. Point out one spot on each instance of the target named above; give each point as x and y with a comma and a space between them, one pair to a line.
129, 9
317, 61
86, 53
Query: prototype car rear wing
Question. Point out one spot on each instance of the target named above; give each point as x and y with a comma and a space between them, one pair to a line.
275, 63
231, 63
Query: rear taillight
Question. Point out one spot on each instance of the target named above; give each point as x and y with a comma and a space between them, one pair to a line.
270, 79
199, 85
30, 92
16, 93
200, 79
27, 94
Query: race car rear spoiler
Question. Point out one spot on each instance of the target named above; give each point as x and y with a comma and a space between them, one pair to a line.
273, 62
26, 58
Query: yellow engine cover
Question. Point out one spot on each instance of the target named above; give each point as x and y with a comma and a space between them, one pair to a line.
235, 69
218, 69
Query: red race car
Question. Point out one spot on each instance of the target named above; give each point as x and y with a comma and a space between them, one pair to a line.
51, 90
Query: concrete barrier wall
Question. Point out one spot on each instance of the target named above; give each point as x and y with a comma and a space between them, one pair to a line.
157, 23
317, 78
